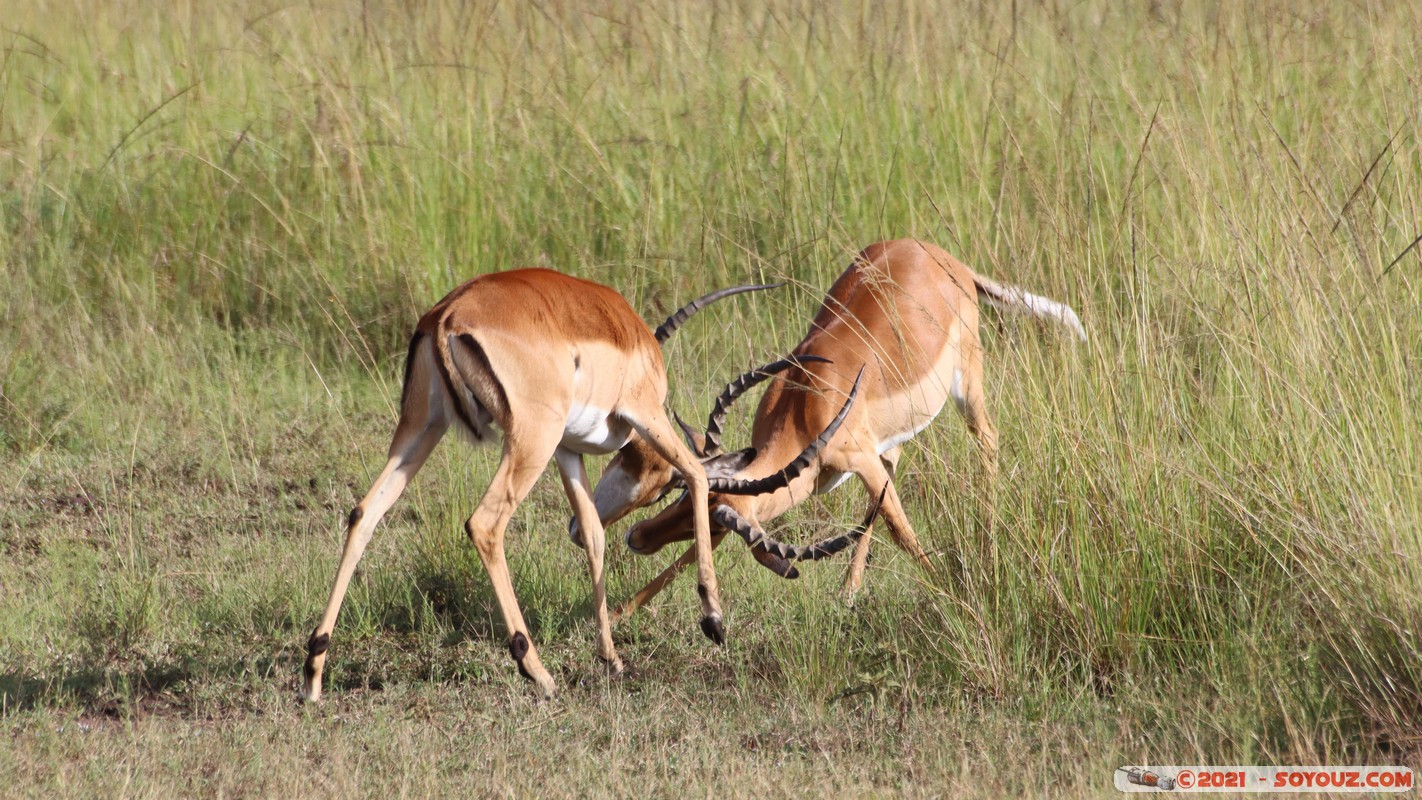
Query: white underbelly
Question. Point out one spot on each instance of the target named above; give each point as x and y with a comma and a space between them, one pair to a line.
919, 407
594, 431
898, 439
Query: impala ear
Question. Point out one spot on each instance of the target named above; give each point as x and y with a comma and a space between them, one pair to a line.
696, 439
729, 465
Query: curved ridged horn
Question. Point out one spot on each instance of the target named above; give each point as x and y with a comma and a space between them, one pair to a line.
781, 479
738, 387
727, 518
681, 315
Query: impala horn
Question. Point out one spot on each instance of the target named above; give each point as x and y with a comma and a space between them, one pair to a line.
726, 517
781, 479
716, 422
681, 315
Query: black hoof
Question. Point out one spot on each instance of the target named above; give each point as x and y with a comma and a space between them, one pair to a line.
714, 630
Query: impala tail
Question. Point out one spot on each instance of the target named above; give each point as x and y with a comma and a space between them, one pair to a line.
476, 395
1011, 298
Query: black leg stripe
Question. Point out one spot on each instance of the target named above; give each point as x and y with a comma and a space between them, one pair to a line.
409, 366
518, 647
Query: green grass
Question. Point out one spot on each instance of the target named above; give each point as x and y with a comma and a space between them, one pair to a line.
219, 222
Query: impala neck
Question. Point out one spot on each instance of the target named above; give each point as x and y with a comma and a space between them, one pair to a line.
773, 452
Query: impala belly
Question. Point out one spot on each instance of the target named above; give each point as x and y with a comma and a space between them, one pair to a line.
904, 415
885, 445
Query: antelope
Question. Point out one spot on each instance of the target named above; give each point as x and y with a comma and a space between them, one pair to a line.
563, 367
904, 316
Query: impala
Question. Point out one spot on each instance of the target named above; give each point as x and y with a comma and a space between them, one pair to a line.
905, 315
563, 367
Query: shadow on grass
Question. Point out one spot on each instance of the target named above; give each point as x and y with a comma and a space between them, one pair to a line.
112, 691
414, 621
457, 602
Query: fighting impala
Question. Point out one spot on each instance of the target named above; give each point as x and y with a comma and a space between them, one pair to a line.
901, 324
563, 367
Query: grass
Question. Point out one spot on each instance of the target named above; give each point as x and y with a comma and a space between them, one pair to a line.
218, 223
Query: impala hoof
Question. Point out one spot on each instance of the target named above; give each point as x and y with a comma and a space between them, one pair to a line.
310, 685
316, 648
714, 629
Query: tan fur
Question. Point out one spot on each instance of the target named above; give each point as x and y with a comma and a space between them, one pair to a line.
561, 367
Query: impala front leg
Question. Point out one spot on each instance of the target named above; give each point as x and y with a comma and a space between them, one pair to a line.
854, 576
879, 481
658, 432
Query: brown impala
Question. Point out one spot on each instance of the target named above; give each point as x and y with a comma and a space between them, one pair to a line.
905, 315
562, 367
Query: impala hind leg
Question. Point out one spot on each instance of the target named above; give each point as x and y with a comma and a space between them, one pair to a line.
524, 459
657, 431
411, 446
575, 483
973, 406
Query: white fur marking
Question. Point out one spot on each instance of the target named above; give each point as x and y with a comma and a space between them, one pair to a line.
955, 390
614, 493
593, 431
899, 438
829, 481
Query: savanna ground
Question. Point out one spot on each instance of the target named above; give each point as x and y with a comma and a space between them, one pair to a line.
220, 221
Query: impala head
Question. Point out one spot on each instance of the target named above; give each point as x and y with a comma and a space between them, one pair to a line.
638, 477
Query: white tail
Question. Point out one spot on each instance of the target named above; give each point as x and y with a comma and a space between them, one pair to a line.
1011, 298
